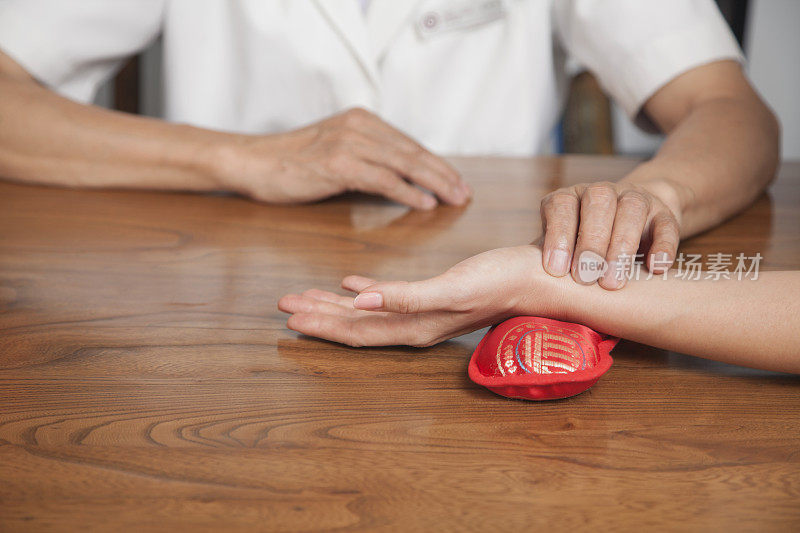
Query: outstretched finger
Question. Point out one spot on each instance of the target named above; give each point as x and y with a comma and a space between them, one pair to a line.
372, 330
406, 143
380, 180
295, 303
435, 294
357, 283
331, 297
412, 167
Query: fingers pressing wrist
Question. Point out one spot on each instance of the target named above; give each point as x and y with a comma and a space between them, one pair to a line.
595, 232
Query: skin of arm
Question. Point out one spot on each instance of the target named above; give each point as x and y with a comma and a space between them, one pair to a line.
48, 139
721, 151
745, 322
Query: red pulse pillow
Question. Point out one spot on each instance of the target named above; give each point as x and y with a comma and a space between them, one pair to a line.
540, 359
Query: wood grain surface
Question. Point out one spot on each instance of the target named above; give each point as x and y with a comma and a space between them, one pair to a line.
147, 381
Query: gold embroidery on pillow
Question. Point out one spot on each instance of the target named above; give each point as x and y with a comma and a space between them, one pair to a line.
540, 349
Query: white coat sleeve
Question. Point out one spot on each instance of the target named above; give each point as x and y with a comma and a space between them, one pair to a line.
72, 46
635, 47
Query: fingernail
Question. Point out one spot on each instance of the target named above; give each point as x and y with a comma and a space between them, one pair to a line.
614, 277
558, 263
466, 189
368, 300
429, 202
590, 267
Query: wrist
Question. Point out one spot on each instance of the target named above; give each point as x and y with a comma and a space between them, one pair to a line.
674, 195
537, 293
677, 196
195, 156
225, 160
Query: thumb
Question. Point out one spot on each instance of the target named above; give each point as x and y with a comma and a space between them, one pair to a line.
406, 297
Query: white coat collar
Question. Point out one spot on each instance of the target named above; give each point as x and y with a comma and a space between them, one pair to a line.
368, 38
385, 19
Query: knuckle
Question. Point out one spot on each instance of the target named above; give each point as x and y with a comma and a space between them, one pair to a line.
634, 201
417, 150
390, 185
594, 233
626, 243
406, 165
563, 210
668, 230
407, 304
356, 116
600, 195
412, 149
560, 228
560, 201
666, 221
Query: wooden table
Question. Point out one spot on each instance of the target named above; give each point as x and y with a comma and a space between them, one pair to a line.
147, 379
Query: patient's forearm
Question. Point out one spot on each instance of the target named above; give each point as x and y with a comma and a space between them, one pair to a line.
745, 322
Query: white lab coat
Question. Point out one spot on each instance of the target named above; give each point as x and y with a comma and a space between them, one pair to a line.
461, 76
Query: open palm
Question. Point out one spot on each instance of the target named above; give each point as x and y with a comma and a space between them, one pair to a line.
475, 293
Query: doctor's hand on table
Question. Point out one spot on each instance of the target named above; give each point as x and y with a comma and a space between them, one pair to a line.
49, 139
490, 287
351, 151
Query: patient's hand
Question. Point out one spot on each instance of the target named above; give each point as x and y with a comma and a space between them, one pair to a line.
475, 293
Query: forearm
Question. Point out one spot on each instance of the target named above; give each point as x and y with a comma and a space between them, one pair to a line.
717, 160
47, 139
746, 322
